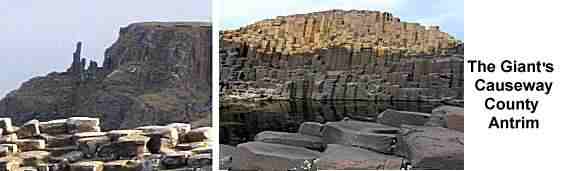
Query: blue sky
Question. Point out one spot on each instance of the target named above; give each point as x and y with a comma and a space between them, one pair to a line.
39, 36
448, 14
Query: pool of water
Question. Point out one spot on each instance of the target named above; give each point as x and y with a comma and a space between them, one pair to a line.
239, 126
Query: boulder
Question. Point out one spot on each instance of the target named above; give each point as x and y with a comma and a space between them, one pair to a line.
30, 144
82, 124
268, 156
293, 139
373, 136
54, 127
397, 118
454, 116
29, 129
311, 128
122, 165
87, 166
6, 125
431, 148
196, 135
340, 157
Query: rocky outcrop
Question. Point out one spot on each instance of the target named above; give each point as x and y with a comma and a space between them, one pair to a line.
341, 55
80, 145
155, 73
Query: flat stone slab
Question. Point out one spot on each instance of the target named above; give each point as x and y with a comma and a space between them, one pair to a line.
431, 148
370, 135
122, 165
29, 129
341, 157
83, 124
31, 158
87, 166
397, 118
268, 156
30, 144
293, 139
54, 127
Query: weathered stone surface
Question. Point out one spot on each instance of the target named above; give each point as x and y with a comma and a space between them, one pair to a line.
72, 157
83, 124
454, 116
293, 139
374, 136
33, 158
90, 145
53, 127
432, 148
8, 149
340, 157
114, 135
265, 156
200, 160
131, 146
169, 133
196, 135
225, 156
397, 118
30, 144
60, 140
29, 129
191, 146
9, 138
87, 166
311, 128
122, 165
175, 160
10, 163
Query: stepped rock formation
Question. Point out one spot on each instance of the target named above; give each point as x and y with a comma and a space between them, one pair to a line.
341, 55
156, 73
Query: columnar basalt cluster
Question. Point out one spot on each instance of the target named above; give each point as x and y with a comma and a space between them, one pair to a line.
77, 144
396, 140
341, 55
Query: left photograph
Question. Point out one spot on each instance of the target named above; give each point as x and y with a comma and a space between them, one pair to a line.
105, 85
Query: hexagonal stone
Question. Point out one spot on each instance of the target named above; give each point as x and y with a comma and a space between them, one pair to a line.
374, 136
294, 139
311, 128
30, 144
340, 157
29, 129
431, 148
397, 118
87, 166
268, 156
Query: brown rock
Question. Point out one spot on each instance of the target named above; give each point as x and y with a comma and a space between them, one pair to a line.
196, 135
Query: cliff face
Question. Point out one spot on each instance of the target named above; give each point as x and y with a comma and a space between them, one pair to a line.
155, 73
341, 55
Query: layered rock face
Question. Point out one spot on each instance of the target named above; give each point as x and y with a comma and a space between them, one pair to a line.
156, 73
341, 55
77, 143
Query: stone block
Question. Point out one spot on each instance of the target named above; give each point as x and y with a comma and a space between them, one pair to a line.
267, 156
397, 118
82, 124
311, 128
374, 136
33, 158
196, 135
30, 144
6, 125
29, 129
87, 166
122, 165
183, 128
169, 133
340, 157
54, 127
293, 139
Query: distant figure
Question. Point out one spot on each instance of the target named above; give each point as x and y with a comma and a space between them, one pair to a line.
154, 145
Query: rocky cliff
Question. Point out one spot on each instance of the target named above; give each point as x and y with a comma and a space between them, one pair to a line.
341, 55
155, 73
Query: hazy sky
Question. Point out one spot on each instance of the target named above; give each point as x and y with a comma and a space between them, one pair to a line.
39, 36
448, 14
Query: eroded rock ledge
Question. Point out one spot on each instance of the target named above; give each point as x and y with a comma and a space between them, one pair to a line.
78, 144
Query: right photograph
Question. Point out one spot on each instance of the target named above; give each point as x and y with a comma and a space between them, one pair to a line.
338, 87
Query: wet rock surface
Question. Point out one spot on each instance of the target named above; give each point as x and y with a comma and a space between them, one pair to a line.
82, 146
